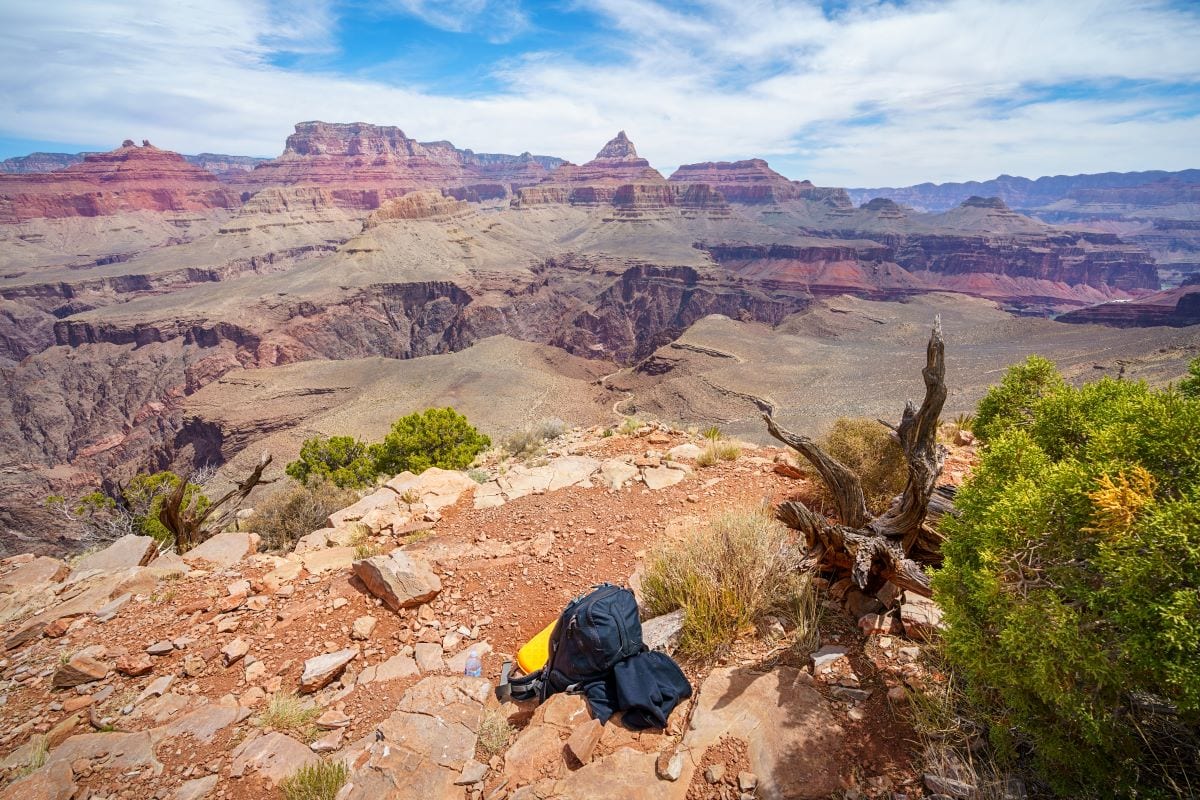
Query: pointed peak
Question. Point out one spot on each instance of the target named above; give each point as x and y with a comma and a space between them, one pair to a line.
618, 147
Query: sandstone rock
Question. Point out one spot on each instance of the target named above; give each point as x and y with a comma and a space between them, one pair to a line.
130, 550
626, 774
399, 579
429, 657
472, 773
826, 657
39, 570
328, 560
436, 488
669, 765
161, 648
79, 669
921, 617
398, 666
320, 671
333, 719
662, 632
661, 477
715, 773
687, 451
458, 663
111, 609
362, 628
583, 740
330, 742
273, 756
747, 781
134, 666
57, 628
234, 651
54, 782
615, 473
196, 789
223, 550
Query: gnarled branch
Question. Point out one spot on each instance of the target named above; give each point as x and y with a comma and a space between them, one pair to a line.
189, 526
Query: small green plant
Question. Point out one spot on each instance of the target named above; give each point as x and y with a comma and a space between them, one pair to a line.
1190, 386
629, 426
606, 433
479, 475
344, 461
410, 497
718, 450
288, 713
726, 577
320, 781
296, 510
530, 440
964, 421
712, 433
36, 759
435, 437
495, 733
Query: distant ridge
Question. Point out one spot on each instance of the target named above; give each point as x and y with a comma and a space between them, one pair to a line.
1015, 191
216, 163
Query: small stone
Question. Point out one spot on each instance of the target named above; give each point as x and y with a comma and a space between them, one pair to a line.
57, 628
333, 719
228, 624
241, 587
715, 773
235, 651
134, 666
339, 602
72, 704
320, 671
193, 666
428, 656
161, 648
948, 786
747, 781
583, 740
330, 742
472, 773
362, 628
669, 765
255, 672
80, 668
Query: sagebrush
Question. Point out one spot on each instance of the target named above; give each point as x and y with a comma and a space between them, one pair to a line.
295, 511
867, 448
726, 577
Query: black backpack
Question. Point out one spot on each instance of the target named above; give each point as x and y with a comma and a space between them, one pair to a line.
594, 633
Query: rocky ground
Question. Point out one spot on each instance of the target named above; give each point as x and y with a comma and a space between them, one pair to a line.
134, 674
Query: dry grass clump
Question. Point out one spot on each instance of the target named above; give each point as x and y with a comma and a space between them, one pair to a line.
629, 426
495, 733
718, 450
867, 448
296, 511
320, 781
36, 759
726, 577
529, 441
288, 713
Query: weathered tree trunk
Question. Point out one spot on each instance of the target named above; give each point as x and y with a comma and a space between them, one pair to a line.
191, 526
893, 545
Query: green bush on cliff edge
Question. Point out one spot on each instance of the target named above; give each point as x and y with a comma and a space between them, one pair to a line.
1071, 583
435, 437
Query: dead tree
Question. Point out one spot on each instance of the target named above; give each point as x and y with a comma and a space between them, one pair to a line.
893, 545
191, 525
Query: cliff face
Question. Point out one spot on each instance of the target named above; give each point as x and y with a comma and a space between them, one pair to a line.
753, 182
130, 178
381, 162
1176, 307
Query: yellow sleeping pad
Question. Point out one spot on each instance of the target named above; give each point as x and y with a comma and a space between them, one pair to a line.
533, 654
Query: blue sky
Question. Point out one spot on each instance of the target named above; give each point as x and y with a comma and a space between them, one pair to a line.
855, 93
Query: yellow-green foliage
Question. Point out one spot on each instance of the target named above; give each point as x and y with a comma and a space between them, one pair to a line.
296, 511
725, 577
1071, 585
319, 781
435, 437
494, 733
287, 713
343, 460
867, 448
717, 450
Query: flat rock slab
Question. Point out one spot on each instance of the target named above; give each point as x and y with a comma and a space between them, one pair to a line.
399, 579
80, 669
662, 632
40, 570
223, 550
424, 744
383, 499
273, 756
398, 666
626, 774
328, 559
793, 740
320, 671
197, 789
55, 781
616, 472
130, 550
436, 487
661, 477
686, 451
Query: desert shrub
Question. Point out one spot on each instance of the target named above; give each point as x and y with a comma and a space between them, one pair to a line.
320, 781
343, 460
288, 713
1190, 386
530, 439
1011, 402
867, 448
629, 426
130, 508
726, 577
716, 450
479, 475
495, 733
435, 437
1071, 582
296, 511
712, 433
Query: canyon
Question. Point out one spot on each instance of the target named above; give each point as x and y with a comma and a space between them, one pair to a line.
156, 314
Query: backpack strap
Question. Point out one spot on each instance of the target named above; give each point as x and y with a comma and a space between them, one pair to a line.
527, 687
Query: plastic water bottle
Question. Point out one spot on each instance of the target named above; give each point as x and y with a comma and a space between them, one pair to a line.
474, 665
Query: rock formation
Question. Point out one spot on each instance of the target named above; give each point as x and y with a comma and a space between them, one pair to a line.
130, 178
753, 182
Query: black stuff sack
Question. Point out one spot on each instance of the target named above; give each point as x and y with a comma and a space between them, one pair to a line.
645, 688
595, 632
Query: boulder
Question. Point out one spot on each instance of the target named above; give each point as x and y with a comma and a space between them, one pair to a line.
42, 569
686, 451
436, 488
383, 498
81, 668
615, 473
661, 477
130, 550
921, 617
399, 579
583, 740
319, 671
223, 550
662, 632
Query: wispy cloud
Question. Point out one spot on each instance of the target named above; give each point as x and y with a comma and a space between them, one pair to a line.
876, 93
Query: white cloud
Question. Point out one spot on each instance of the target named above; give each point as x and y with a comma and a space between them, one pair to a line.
878, 94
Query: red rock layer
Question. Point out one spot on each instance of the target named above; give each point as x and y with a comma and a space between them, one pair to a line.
417, 205
753, 182
129, 178
375, 163
616, 168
